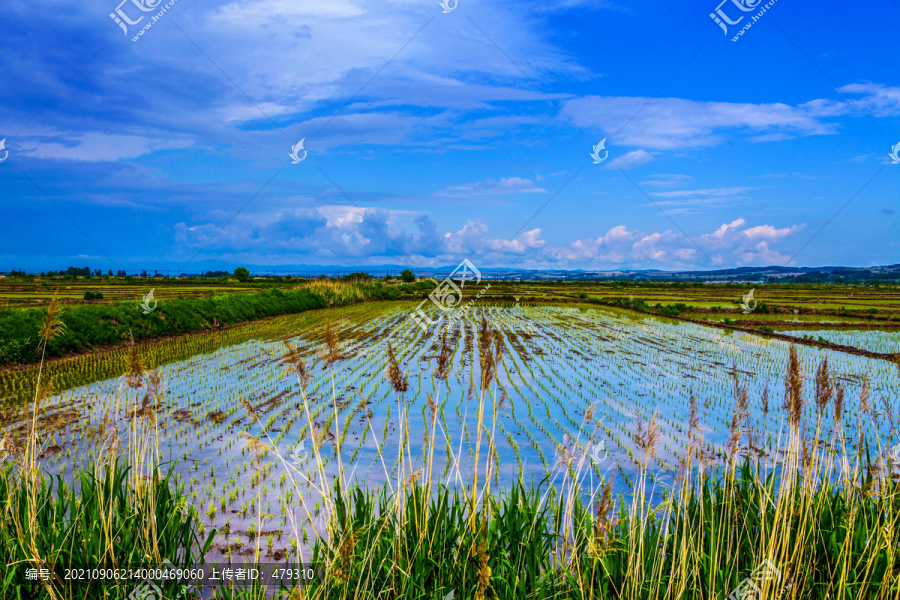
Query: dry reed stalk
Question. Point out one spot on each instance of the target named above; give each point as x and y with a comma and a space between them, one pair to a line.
259, 450
52, 326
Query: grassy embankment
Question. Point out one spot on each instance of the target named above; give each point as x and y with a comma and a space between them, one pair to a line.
94, 344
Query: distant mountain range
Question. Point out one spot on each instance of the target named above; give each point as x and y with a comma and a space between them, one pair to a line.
738, 274
755, 274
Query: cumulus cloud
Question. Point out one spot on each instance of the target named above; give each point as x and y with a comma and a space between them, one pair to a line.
377, 235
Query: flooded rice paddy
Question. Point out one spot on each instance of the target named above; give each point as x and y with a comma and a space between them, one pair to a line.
886, 342
556, 363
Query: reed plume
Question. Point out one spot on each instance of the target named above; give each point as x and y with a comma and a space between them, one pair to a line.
332, 346
838, 404
864, 396
793, 388
824, 388
603, 523
294, 363
741, 411
52, 325
647, 436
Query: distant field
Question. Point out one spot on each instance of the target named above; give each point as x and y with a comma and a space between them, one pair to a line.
717, 302
29, 294
713, 300
777, 308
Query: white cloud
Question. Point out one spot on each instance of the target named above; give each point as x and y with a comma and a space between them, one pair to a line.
666, 179
713, 192
676, 123
690, 201
506, 185
384, 235
632, 159
95, 146
878, 99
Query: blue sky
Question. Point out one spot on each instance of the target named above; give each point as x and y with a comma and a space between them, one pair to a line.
434, 137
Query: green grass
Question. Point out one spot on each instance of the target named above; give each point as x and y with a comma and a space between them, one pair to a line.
101, 517
537, 543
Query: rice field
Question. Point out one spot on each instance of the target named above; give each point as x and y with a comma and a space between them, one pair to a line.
887, 342
570, 382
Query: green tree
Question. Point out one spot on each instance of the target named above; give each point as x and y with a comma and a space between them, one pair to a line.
242, 274
407, 276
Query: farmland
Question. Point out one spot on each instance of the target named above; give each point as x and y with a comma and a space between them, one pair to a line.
776, 307
576, 390
260, 421
37, 291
